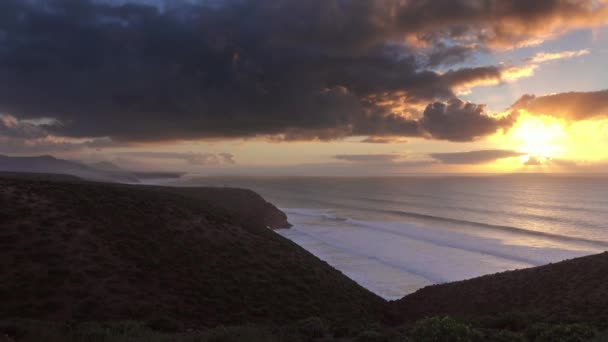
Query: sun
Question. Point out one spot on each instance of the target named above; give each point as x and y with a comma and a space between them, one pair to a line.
539, 138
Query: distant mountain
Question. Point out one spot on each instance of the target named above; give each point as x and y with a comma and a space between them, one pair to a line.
141, 175
104, 171
50, 164
107, 166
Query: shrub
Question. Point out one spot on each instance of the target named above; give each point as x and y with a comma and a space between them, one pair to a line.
312, 327
534, 331
505, 336
164, 324
514, 321
601, 337
443, 329
372, 336
567, 333
247, 333
344, 330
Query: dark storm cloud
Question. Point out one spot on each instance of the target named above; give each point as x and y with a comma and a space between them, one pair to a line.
571, 106
461, 121
289, 69
444, 55
497, 23
133, 73
474, 157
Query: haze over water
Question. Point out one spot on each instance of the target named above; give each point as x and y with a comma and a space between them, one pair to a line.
396, 235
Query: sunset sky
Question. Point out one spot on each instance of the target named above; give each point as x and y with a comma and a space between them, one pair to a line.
315, 87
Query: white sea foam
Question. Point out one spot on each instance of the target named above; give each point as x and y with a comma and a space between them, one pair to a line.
394, 235
395, 258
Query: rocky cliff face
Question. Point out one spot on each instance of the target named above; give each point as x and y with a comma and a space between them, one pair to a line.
247, 207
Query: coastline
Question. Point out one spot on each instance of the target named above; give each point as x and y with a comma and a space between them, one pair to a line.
183, 260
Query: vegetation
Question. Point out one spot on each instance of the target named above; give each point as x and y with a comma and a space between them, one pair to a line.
98, 262
443, 329
428, 330
569, 291
85, 251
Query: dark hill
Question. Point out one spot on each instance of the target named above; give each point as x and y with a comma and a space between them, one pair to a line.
74, 250
574, 290
50, 164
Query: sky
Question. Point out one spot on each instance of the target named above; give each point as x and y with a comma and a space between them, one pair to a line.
316, 87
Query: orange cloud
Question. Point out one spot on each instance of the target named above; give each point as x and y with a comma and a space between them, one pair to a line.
504, 75
542, 57
572, 106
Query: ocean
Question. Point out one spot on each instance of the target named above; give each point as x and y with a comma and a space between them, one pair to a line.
396, 235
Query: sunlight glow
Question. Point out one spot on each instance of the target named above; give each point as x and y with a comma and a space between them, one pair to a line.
540, 137
549, 144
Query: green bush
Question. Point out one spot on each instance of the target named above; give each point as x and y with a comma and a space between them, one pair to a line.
36, 331
164, 324
443, 329
247, 333
505, 336
513, 321
600, 337
534, 331
372, 336
567, 333
312, 327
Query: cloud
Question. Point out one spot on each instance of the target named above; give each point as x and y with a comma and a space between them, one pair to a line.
548, 161
356, 25
368, 158
32, 137
533, 161
11, 127
512, 74
475, 157
487, 76
443, 55
542, 57
564, 162
499, 24
384, 140
571, 106
51, 144
205, 69
192, 158
462, 121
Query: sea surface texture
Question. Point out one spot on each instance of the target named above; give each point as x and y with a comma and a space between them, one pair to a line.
396, 235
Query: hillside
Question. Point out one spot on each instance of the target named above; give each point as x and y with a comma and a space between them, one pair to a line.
572, 290
74, 250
